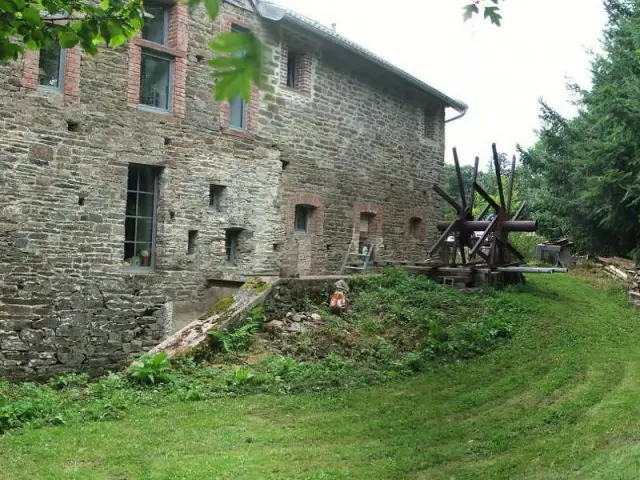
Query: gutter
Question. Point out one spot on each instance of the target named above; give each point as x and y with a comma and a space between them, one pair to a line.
457, 117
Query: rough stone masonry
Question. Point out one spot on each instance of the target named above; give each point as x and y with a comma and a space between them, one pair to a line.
113, 213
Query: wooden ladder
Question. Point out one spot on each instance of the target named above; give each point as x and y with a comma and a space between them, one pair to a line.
357, 260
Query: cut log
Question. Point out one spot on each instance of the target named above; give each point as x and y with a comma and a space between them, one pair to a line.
194, 336
616, 272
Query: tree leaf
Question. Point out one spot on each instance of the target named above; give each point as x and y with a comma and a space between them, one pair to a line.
493, 15
68, 39
213, 6
32, 15
469, 11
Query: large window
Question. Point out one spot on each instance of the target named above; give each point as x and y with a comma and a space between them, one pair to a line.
237, 106
156, 67
155, 80
51, 66
140, 216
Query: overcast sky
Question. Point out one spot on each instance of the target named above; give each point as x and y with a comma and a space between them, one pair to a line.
499, 72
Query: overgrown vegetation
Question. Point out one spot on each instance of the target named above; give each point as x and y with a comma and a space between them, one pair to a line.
557, 401
398, 325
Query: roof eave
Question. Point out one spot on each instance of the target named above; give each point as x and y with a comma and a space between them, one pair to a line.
299, 22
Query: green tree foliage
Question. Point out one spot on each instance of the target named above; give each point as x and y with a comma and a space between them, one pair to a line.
89, 24
585, 171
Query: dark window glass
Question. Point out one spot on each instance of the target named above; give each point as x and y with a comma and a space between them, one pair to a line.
156, 24
155, 80
51, 66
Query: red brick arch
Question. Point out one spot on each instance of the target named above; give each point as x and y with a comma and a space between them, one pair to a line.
317, 219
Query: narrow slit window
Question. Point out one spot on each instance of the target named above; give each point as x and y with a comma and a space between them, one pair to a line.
415, 225
216, 196
231, 242
192, 242
237, 106
292, 66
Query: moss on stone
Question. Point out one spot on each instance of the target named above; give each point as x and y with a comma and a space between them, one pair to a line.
222, 304
256, 285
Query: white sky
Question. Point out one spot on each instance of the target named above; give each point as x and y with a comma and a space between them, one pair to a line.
499, 72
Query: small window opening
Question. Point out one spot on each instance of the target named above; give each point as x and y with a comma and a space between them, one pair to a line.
292, 66
303, 214
167, 141
73, 126
429, 123
192, 242
81, 200
231, 241
415, 224
366, 226
216, 193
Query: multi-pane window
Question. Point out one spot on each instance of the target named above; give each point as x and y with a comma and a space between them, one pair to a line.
302, 220
155, 80
51, 66
156, 67
237, 106
140, 216
156, 24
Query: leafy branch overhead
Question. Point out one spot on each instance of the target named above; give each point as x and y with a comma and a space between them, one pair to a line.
491, 10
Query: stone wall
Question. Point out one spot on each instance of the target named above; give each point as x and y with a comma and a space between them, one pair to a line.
358, 141
350, 140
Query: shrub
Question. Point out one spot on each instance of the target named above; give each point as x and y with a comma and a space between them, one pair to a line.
151, 370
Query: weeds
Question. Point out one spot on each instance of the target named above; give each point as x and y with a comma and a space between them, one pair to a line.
397, 325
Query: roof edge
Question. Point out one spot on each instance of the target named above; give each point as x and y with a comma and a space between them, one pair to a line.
275, 13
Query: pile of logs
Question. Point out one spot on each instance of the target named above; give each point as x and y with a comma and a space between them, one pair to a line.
625, 270
618, 267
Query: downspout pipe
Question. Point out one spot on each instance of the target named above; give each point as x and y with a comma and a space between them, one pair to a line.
457, 117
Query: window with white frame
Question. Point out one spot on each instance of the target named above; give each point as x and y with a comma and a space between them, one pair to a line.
51, 66
156, 66
140, 216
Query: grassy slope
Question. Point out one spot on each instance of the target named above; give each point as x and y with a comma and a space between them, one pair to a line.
562, 400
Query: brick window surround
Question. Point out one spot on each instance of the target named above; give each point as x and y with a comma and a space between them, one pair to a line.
316, 224
302, 71
375, 227
178, 42
253, 106
71, 81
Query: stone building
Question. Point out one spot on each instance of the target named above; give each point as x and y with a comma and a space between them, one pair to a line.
128, 193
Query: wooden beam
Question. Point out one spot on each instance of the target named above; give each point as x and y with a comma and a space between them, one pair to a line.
486, 196
496, 164
472, 195
510, 192
442, 238
448, 198
459, 175
484, 236
519, 212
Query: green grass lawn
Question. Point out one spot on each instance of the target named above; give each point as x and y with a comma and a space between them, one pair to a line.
561, 400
